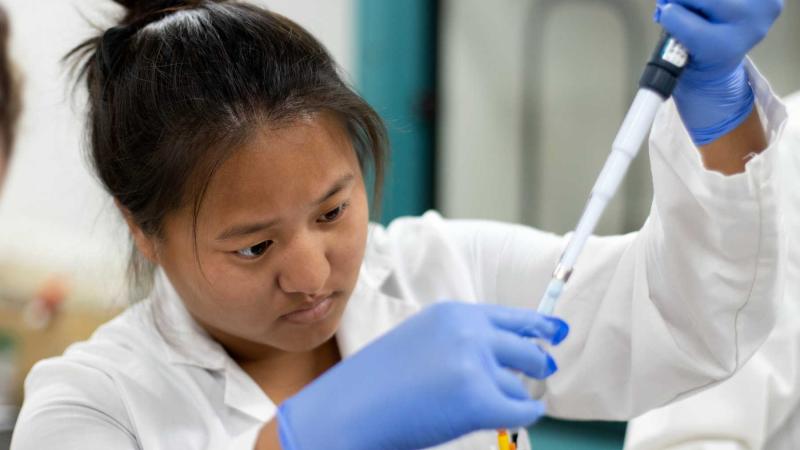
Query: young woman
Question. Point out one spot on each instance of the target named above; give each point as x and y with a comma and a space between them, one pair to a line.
279, 318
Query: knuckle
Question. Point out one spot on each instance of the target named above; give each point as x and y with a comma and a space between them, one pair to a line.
441, 316
447, 312
775, 8
466, 338
440, 309
466, 370
739, 8
767, 10
461, 374
468, 364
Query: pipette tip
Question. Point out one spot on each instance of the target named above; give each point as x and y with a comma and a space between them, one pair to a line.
548, 303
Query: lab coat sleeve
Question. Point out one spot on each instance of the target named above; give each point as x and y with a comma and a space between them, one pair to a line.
741, 413
662, 313
70, 405
764, 397
64, 397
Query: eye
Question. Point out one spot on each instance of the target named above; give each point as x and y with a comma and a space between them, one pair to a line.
334, 214
254, 251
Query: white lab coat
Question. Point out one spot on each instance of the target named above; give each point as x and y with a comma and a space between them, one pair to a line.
655, 315
759, 407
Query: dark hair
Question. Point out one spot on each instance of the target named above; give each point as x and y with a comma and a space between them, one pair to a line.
177, 84
9, 93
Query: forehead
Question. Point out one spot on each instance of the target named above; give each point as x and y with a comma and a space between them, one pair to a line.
280, 168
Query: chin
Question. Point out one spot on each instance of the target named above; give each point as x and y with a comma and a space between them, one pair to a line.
306, 343
307, 338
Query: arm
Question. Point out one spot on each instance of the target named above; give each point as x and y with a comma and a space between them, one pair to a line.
729, 154
445, 372
70, 405
64, 404
742, 413
674, 305
748, 410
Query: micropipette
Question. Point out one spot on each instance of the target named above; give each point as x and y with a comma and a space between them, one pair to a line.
656, 85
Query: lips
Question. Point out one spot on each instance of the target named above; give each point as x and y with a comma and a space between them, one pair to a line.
313, 312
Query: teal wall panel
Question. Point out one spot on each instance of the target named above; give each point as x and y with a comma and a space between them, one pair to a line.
396, 73
551, 434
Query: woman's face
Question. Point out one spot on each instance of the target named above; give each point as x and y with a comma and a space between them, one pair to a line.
280, 240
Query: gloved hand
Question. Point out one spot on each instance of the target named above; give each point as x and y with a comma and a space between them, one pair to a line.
714, 94
441, 374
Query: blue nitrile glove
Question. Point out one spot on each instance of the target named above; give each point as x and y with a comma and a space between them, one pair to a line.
714, 95
445, 372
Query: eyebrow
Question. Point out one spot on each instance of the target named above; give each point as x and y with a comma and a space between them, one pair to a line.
250, 228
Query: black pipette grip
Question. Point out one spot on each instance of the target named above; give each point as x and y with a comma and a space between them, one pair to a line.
665, 67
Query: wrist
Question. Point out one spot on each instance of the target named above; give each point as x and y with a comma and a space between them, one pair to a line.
711, 108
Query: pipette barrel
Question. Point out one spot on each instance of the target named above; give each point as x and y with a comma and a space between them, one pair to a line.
656, 85
629, 140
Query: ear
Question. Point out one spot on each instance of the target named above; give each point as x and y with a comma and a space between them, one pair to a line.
146, 244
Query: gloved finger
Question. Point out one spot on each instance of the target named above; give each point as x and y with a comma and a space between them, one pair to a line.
527, 323
688, 28
521, 354
716, 11
510, 384
504, 413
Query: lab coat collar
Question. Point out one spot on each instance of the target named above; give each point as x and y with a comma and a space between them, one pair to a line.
244, 394
372, 310
186, 342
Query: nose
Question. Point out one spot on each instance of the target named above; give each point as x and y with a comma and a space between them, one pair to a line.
305, 267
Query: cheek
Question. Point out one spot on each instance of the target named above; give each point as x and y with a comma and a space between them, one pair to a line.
351, 242
235, 301
213, 285
235, 286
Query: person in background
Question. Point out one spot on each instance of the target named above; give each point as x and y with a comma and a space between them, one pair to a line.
759, 407
9, 110
9, 97
281, 318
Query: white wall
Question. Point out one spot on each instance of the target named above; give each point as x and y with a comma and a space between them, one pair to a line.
585, 75
54, 216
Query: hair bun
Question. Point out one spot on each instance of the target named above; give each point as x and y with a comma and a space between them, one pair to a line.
139, 9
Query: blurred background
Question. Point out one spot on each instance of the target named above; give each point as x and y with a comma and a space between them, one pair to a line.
500, 110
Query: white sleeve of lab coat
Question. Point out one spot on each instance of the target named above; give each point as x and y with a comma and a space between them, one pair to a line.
741, 413
70, 405
659, 314
67, 397
746, 411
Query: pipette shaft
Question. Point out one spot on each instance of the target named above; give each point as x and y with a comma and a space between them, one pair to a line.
656, 85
